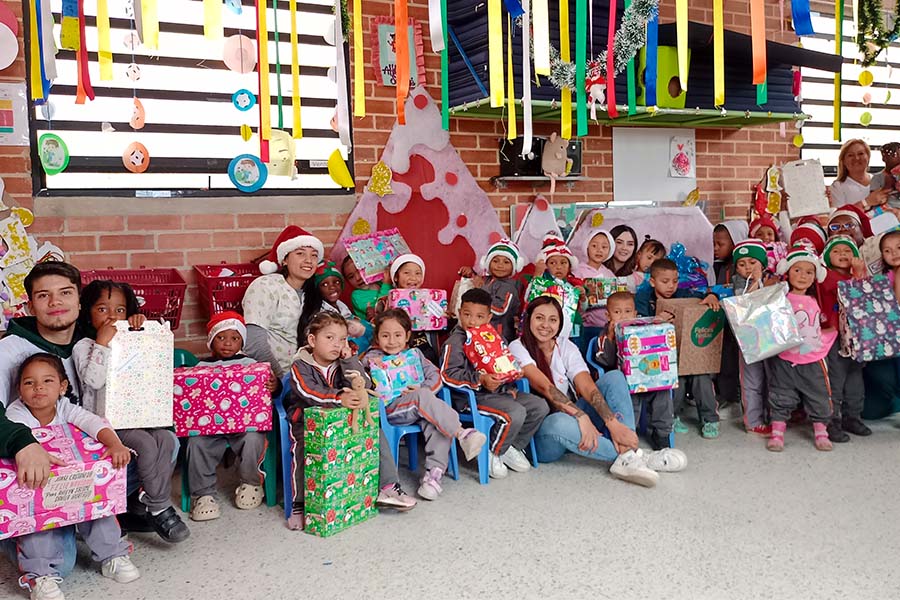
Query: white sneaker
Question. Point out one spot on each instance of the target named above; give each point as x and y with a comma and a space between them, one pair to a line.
515, 459
667, 460
632, 466
497, 469
47, 588
120, 569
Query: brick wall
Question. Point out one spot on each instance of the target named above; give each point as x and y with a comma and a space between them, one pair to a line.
728, 162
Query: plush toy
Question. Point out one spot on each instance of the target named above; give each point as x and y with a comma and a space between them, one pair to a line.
358, 386
554, 161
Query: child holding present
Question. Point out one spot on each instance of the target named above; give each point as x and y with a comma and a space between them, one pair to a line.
555, 264
600, 246
331, 286
364, 295
502, 262
407, 272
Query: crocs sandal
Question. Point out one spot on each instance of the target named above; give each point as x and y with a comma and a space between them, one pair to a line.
205, 509
248, 496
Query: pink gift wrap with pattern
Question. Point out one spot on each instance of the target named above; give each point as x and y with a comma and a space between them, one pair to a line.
87, 488
427, 308
222, 399
647, 354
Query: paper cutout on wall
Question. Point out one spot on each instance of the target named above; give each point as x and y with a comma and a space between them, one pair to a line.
133, 72
682, 157
13, 279
380, 181
54, 153
18, 246
136, 158
282, 154
247, 173
9, 46
338, 170
539, 220
243, 100
246, 132
138, 115
23, 214
239, 54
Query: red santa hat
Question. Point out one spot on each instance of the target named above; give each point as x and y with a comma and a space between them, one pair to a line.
556, 246
811, 232
857, 214
290, 239
763, 221
224, 321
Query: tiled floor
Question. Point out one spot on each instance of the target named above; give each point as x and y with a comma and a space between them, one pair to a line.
739, 523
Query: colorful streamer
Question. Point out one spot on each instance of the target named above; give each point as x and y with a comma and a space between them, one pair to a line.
511, 132
527, 133
565, 55
401, 41
34, 45
718, 53
68, 28
652, 56
758, 37
495, 53
631, 79
278, 95
104, 48
838, 49
541, 27
611, 108
262, 67
445, 72
297, 129
801, 17
343, 101
359, 69
514, 8
436, 13
580, 67
212, 19
681, 42
762, 93
150, 24
84, 89
48, 45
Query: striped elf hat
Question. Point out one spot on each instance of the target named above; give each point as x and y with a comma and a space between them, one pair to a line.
799, 254
837, 241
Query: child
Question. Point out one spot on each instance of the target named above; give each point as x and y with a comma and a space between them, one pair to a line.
331, 286
599, 247
799, 376
556, 262
850, 221
103, 303
810, 234
765, 229
517, 416
364, 295
225, 339
889, 245
664, 284
750, 260
320, 377
407, 272
502, 262
725, 236
42, 385
650, 251
659, 404
419, 405
841, 257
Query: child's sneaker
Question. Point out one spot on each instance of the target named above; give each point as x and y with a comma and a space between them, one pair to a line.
632, 466
667, 460
821, 437
247, 497
169, 526
205, 508
679, 427
763, 430
431, 488
497, 469
515, 459
471, 441
659, 440
710, 431
44, 588
393, 496
120, 569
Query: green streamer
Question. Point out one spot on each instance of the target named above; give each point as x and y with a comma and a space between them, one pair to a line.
630, 72
278, 66
581, 13
445, 69
762, 93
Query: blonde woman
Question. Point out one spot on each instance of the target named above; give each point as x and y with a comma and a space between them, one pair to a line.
853, 179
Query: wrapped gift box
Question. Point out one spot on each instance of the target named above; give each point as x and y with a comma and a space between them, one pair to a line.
372, 253
698, 330
327, 522
488, 353
87, 488
393, 374
212, 400
598, 289
566, 293
426, 307
139, 377
647, 354
869, 319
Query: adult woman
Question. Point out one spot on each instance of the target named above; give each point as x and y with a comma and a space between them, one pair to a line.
853, 179
553, 366
278, 305
622, 261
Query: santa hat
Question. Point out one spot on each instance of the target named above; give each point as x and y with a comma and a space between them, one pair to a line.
555, 246
326, 270
505, 248
811, 232
224, 321
837, 241
799, 254
290, 239
750, 249
857, 214
763, 221
402, 260
594, 233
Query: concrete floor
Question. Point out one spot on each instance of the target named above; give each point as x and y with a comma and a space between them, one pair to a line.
740, 522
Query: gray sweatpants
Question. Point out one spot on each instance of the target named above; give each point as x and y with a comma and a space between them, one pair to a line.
701, 386
793, 386
516, 419
205, 452
848, 390
156, 451
43, 553
754, 392
660, 411
439, 423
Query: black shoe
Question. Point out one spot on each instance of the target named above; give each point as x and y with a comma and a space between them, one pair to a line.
135, 523
836, 434
658, 440
855, 426
169, 526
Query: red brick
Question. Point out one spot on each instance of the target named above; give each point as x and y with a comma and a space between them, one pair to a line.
182, 241
154, 222
72, 243
307, 220
239, 239
105, 223
260, 222
103, 260
153, 260
206, 222
126, 242
47, 225
214, 257
15, 164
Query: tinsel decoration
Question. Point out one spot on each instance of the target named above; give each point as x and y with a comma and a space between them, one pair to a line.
871, 37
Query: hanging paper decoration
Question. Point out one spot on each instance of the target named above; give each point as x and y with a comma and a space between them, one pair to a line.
239, 54
54, 153
343, 102
265, 97
541, 31
611, 108
436, 25
247, 173
801, 17
138, 115
838, 48
246, 132
34, 47
758, 40
297, 128
359, 79
566, 92
445, 70
511, 132
527, 134
495, 53
243, 100
762, 93
136, 158
68, 28
865, 119
212, 19
234, 6
872, 37
282, 155
380, 181
401, 39
718, 53
338, 170
681, 34
580, 69
631, 80
652, 56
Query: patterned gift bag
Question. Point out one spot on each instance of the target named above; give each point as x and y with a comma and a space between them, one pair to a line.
869, 319
373, 252
647, 354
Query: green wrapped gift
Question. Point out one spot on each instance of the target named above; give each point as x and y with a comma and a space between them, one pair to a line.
565, 293
324, 492
327, 522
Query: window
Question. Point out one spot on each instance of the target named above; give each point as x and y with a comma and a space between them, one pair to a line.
818, 96
193, 129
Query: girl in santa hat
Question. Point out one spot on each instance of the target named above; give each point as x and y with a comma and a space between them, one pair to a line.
556, 262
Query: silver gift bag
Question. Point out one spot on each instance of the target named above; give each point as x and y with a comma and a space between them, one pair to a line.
763, 322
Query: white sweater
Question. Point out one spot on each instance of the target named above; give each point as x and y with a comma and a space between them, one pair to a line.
66, 412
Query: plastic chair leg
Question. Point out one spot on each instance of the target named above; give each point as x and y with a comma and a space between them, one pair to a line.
453, 462
287, 482
270, 468
185, 488
412, 450
671, 439
534, 456
394, 443
484, 465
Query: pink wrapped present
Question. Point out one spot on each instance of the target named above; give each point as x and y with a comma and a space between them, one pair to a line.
426, 307
222, 399
87, 488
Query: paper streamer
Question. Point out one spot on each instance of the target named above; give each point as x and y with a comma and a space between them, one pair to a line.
359, 70
84, 89
801, 17
445, 72
436, 13
758, 35
514, 8
150, 24
104, 52
541, 28
48, 45
856, 15
262, 66
297, 127
762, 93
631, 79
527, 133
718, 53
511, 132
401, 41
495, 53
652, 57
68, 29
343, 101
34, 46
838, 49
580, 67
611, 108
565, 55
212, 19
681, 29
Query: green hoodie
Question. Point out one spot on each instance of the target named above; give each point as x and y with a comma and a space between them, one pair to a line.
26, 328
13, 436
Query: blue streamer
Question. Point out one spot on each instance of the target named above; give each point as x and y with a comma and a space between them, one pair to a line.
800, 15
514, 8
650, 70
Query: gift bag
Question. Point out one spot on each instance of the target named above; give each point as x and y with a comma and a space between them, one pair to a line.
869, 319
139, 377
372, 253
698, 330
488, 353
393, 374
647, 354
427, 308
598, 289
462, 285
763, 322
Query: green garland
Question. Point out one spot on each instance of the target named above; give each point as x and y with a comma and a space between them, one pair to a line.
872, 38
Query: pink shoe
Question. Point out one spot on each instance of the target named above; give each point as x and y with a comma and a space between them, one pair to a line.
763, 430
776, 441
821, 440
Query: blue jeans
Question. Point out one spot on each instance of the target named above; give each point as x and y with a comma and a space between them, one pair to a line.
65, 536
559, 433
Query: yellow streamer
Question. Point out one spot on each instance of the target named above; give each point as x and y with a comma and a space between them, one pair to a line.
718, 53
295, 73
565, 55
510, 84
212, 19
104, 49
681, 28
359, 73
541, 26
495, 53
265, 97
150, 23
37, 86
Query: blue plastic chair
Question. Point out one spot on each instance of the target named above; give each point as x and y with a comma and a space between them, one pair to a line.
285, 439
395, 433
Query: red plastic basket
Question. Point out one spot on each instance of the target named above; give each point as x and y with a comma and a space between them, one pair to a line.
224, 293
160, 292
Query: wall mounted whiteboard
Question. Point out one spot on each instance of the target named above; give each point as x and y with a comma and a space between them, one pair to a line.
641, 165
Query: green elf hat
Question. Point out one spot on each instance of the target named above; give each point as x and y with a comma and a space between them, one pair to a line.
326, 270
836, 241
751, 248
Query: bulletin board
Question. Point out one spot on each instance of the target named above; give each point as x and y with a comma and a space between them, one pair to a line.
643, 164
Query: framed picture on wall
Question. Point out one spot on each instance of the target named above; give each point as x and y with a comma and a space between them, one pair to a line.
384, 56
